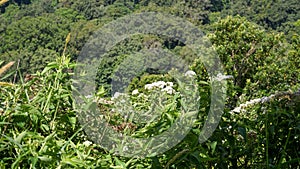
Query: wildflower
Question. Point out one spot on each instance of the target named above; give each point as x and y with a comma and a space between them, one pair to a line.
125, 148
160, 84
190, 73
89, 96
221, 77
118, 95
237, 109
135, 92
149, 86
240, 138
164, 86
87, 143
170, 84
168, 89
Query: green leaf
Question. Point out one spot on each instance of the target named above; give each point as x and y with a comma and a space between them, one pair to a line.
242, 132
20, 137
213, 146
44, 158
120, 164
73, 120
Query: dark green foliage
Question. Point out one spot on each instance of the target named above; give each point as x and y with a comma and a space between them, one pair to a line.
270, 14
116, 56
33, 32
34, 41
29, 62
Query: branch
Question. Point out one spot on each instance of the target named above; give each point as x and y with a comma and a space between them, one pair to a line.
263, 100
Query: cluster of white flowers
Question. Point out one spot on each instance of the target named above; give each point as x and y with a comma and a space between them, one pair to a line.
244, 105
168, 89
190, 73
164, 86
221, 77
119, 96
87, 143
241, 107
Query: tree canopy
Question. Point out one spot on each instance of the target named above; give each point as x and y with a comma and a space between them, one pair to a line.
257, 42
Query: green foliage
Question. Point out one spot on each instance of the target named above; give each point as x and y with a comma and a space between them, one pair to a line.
34, 41
258, 60
118, 54
194, 11
270, 14
38, 119
47, 32
89, 9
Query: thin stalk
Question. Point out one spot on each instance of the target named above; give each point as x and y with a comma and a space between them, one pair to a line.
267, 138
284, 148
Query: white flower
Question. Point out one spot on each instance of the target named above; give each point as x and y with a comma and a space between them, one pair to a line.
135, 92
160, 84
87, 143
149, 86
164, 86
117, 95
89, 96
125, 148
190, 73
221, 77
170, 84
141, 95
168, 89
237, 109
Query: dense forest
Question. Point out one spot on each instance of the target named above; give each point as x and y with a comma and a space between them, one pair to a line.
256, 41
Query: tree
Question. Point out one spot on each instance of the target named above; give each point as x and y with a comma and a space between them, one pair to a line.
25, 39
270, 14
254, 57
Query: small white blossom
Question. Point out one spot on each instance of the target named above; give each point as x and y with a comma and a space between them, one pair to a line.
237, 109
89, 96
221, 77
141, 95
160, 84
117, 95
87, 143
135, 92
149, 86
164, 86
190, 73
170, 84
168, 89
125, 148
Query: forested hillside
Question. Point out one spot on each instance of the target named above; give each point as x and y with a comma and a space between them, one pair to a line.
257, 42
